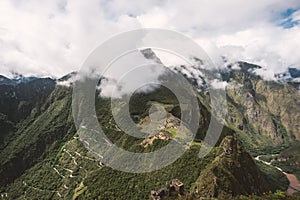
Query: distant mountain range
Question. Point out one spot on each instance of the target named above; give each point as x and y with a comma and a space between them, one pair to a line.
42, 156
16, 80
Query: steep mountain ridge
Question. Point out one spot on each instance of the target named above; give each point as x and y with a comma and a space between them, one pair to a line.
46, 146
42, 156
265, 110
232, 173
37, 135
263, 113
18, 101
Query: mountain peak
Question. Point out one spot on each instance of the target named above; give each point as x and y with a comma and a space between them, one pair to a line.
148, 53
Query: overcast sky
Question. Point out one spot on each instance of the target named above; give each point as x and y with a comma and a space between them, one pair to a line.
54, 37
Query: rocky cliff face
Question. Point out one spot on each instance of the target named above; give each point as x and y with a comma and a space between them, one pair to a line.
263, 112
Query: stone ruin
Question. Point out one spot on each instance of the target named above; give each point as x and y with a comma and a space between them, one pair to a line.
174, 186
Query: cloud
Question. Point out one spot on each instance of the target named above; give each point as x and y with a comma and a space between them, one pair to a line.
53, 37
296, 16
129, 73
56, 36
216, 84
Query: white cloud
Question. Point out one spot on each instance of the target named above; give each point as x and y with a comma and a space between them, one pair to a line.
129, 73
296, 16
216, 84
273, 48
40, 37
56, 36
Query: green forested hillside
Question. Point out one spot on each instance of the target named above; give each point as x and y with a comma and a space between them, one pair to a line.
42, 156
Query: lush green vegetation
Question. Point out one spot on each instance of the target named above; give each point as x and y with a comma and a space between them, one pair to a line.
37, 137
289, 160
274, 175
278, 195
44, 158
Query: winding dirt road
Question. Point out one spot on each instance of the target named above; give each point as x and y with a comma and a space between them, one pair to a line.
294, 183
